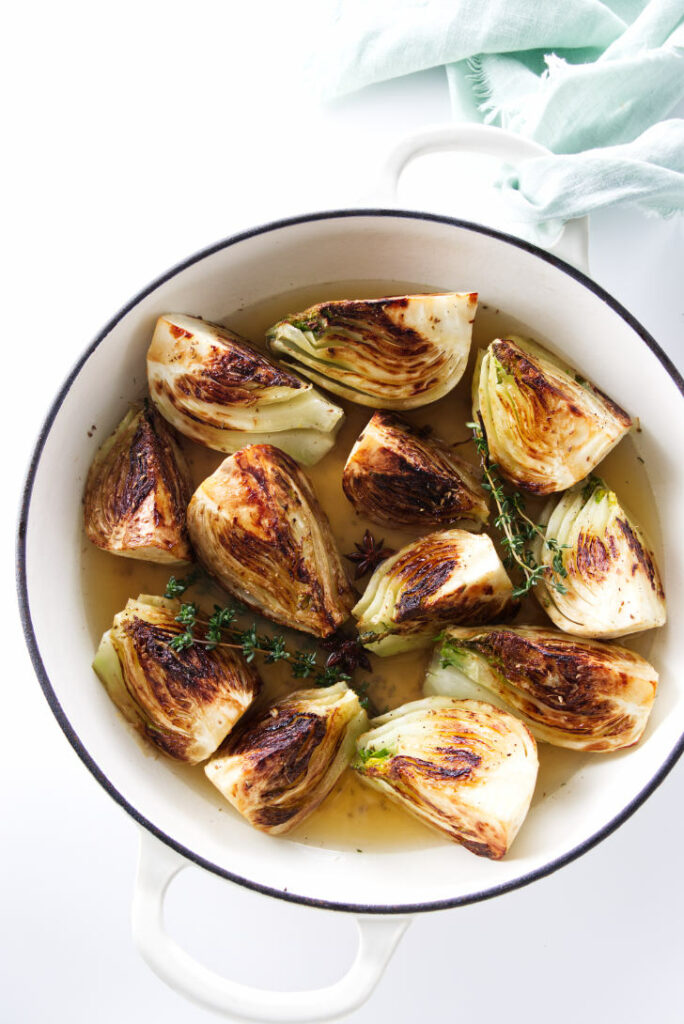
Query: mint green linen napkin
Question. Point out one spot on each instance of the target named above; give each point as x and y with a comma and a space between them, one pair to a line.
372, 40
574, 75
647, 173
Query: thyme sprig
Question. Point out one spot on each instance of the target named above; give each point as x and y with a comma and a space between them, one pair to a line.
516, 527
222, 630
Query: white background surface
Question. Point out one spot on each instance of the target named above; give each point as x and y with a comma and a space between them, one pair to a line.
136, 135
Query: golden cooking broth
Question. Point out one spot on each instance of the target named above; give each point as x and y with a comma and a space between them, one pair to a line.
353, 816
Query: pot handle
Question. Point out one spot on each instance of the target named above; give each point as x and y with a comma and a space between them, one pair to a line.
157, 866
572, 243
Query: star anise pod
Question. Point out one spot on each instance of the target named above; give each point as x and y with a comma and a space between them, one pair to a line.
346, 653
368, 555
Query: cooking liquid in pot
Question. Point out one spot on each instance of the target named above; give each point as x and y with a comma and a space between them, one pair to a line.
353, 816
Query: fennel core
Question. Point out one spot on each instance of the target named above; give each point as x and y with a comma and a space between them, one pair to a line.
516, 527
221, 630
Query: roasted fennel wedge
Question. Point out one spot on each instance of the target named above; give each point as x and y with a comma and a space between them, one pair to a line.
391, 353
137, 492
613, 586
397, 476
571, 692
219, 390
184, 702
465, 767
443, 578
257, 526
546, 426
278, 767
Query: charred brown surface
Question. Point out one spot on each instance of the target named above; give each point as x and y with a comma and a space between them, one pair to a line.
369, 348
277, 753
464, 766
613, 587
140, 476
546, 426
417, 782
481, 849
364, 322
173, 744
399, 477
259, 529
196, 673
462, 755
277, 767
582, 687
221, 391
421, 582
425, 571
477, 836
591, 557
152, 460
187, 700
461, 764
269, 817
568, 679
533, 486
642, 556
236, 374
369, 321
528, 375
137, 491
288, 735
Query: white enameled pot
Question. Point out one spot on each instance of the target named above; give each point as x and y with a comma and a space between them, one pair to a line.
177, 826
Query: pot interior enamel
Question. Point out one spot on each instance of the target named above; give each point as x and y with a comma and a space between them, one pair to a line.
584, 324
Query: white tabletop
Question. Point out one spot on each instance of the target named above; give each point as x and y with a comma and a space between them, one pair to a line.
141, 133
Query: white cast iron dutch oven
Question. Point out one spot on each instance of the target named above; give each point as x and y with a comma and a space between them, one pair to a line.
383, 889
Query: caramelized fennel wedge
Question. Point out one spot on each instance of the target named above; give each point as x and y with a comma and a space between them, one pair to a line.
569, 691
137, 492
399, 352
443, 578
546, 426
277, 768
220, 391
462, 766
257, 526
613, 586
184, 702
397, 476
